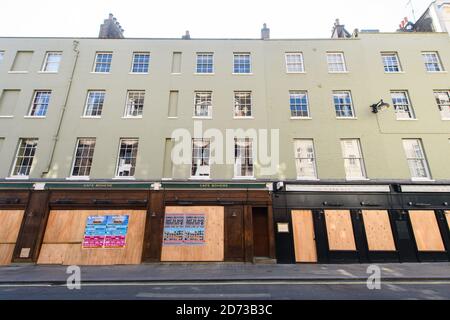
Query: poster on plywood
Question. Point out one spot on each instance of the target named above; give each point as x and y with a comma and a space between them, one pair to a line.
184, 229
105, 231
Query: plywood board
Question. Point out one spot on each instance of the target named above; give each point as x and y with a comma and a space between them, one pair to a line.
378, 230
212, 250
304, 237
10, 222
340, 230
426, 231
64, 235
447, 216
6, 253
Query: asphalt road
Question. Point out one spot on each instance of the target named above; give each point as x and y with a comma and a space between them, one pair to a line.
262, 290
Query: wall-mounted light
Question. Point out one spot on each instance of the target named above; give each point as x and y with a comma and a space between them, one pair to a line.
380, 106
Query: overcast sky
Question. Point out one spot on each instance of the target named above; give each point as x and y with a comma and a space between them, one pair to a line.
204, 18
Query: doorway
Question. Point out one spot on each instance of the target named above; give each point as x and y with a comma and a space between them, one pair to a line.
304, 236
260, 221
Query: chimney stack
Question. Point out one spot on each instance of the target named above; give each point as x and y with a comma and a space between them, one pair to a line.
111, 29
339, 31
265, 32
186, 36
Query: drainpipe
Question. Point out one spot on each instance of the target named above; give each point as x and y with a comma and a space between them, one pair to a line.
63, 109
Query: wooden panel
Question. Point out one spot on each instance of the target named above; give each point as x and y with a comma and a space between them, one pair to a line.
213, 250
10, 222
234, 233
426, 231
64, 236
6, 253
378, 230
340, 230
304, 237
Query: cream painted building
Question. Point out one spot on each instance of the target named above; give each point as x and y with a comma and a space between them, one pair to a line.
88, 108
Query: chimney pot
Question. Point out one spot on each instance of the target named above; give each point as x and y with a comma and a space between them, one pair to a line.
265, 32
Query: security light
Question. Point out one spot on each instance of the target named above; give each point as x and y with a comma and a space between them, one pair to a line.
380, 106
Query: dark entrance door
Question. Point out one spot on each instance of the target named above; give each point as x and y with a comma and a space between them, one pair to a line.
260, 221
405, 240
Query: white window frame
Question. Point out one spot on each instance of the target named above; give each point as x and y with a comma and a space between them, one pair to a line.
210, 106
312, 159
133, 62
75, 177
445, 114
30, 111
16, 158
127, 113
422, 159
301, 63
299, 92
235, 106
249, 61
438, 59
338, 92
95, 62
45, 64
208, 166
130, 177
85, 115
359, 157
236, 167
390, 54
410, 112
197, 65
329, 63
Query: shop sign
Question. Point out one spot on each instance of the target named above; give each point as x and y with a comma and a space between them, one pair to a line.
105, 231
337, 188
184, 229
418, 188
217, 185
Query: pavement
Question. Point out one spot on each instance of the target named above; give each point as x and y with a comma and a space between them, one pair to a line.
223, 272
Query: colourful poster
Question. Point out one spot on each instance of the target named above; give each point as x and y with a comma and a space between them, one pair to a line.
116, 231
105, 232
184, 229
95, 232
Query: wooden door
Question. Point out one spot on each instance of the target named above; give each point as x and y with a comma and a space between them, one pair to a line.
426, 231
304, 236
234, 233
260, 221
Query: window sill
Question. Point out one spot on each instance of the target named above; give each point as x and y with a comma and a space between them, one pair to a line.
242, 74
200, 178
357, 179
172, 118
17, 72
204, 74
443, 119
307, 179
300, 72
346, 118
35, 117
338, 72
201, 118
78, 178
422, 180
433, 72
17, 178
396, 72
90, 117
6, 117
301, 118
243, 118
166, 179
176, 73
124, 178
141, 73
134, 118
47, 72
93, 72
407, 119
